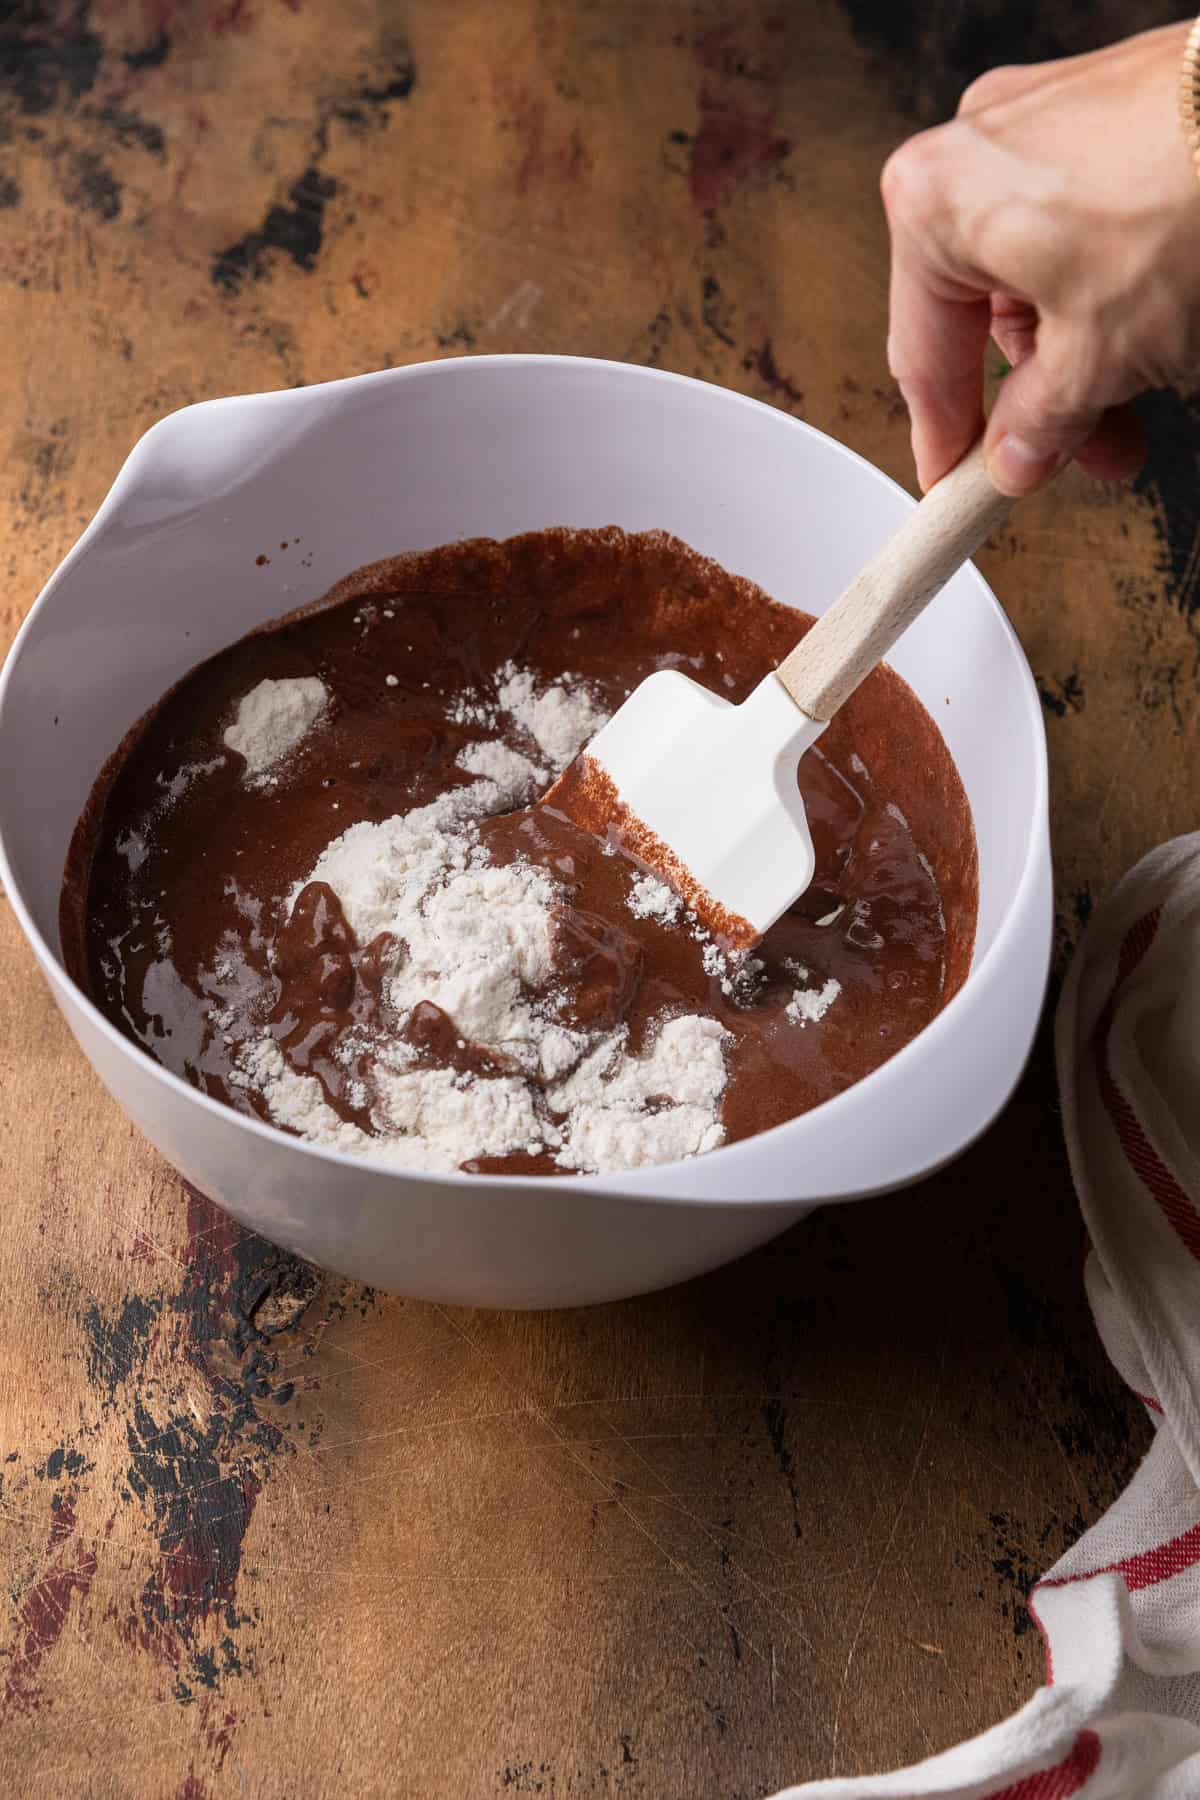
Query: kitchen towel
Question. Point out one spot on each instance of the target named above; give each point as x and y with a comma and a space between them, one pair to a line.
1119, 1614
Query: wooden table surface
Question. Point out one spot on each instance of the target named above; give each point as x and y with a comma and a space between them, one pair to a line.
263, 1532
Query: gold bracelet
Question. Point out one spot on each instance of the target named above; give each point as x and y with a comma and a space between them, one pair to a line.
1189, 94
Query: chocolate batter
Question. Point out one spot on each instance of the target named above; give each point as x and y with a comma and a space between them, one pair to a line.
173, 916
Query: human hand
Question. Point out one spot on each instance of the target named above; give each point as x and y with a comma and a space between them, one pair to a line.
1059, 213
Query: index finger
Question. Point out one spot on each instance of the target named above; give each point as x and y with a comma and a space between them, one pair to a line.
939, 312
937, 335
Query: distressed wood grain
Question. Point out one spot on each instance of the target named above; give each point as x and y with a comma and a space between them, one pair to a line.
264, 1533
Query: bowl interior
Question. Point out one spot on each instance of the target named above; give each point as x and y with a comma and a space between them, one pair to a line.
353, 471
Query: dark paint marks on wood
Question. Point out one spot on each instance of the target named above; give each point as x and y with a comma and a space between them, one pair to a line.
63, 1459
199, 1469
296, 230
130, 130
366, 105
236, 16
201, 1516
458, 337
1094, 1423
153, 55
398, 86
92, 186
776, 1420
116, 1347
730, 146
650, 348
528, 1777
1062, 693
43, 1613
199, 1447
48, 54
546, 160
1012, 1562
270, 1293
1170, 479
48, 454
719, 51
762, 363
715, 310
52, 455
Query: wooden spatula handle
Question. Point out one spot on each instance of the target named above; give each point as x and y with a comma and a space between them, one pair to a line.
861, 626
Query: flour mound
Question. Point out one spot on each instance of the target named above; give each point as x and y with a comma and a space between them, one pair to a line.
297, 1101
475, 945
475, 940
382, 871
624, 1111
650, 898
441, 1111
808, 1005
271, 720
424, 1118
518, 780
561, 719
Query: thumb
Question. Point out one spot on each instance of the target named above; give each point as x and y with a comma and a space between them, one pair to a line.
1037, 423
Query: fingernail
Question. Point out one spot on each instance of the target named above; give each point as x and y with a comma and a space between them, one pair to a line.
1017, 466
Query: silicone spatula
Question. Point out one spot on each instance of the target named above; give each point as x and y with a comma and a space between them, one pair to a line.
705, 793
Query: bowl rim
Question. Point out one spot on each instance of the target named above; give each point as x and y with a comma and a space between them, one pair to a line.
732, 1156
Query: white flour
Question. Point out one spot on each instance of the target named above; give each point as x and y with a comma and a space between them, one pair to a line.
476, 940
450, 1117
612, 1118
560, 719
518, 780
467, 708
426, 1117
808, 1006
650, 898
272, 719
737, 973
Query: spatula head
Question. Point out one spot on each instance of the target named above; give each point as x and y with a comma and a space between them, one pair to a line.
716, 785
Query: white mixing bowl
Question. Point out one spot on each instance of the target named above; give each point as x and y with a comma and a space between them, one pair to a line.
165, 575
